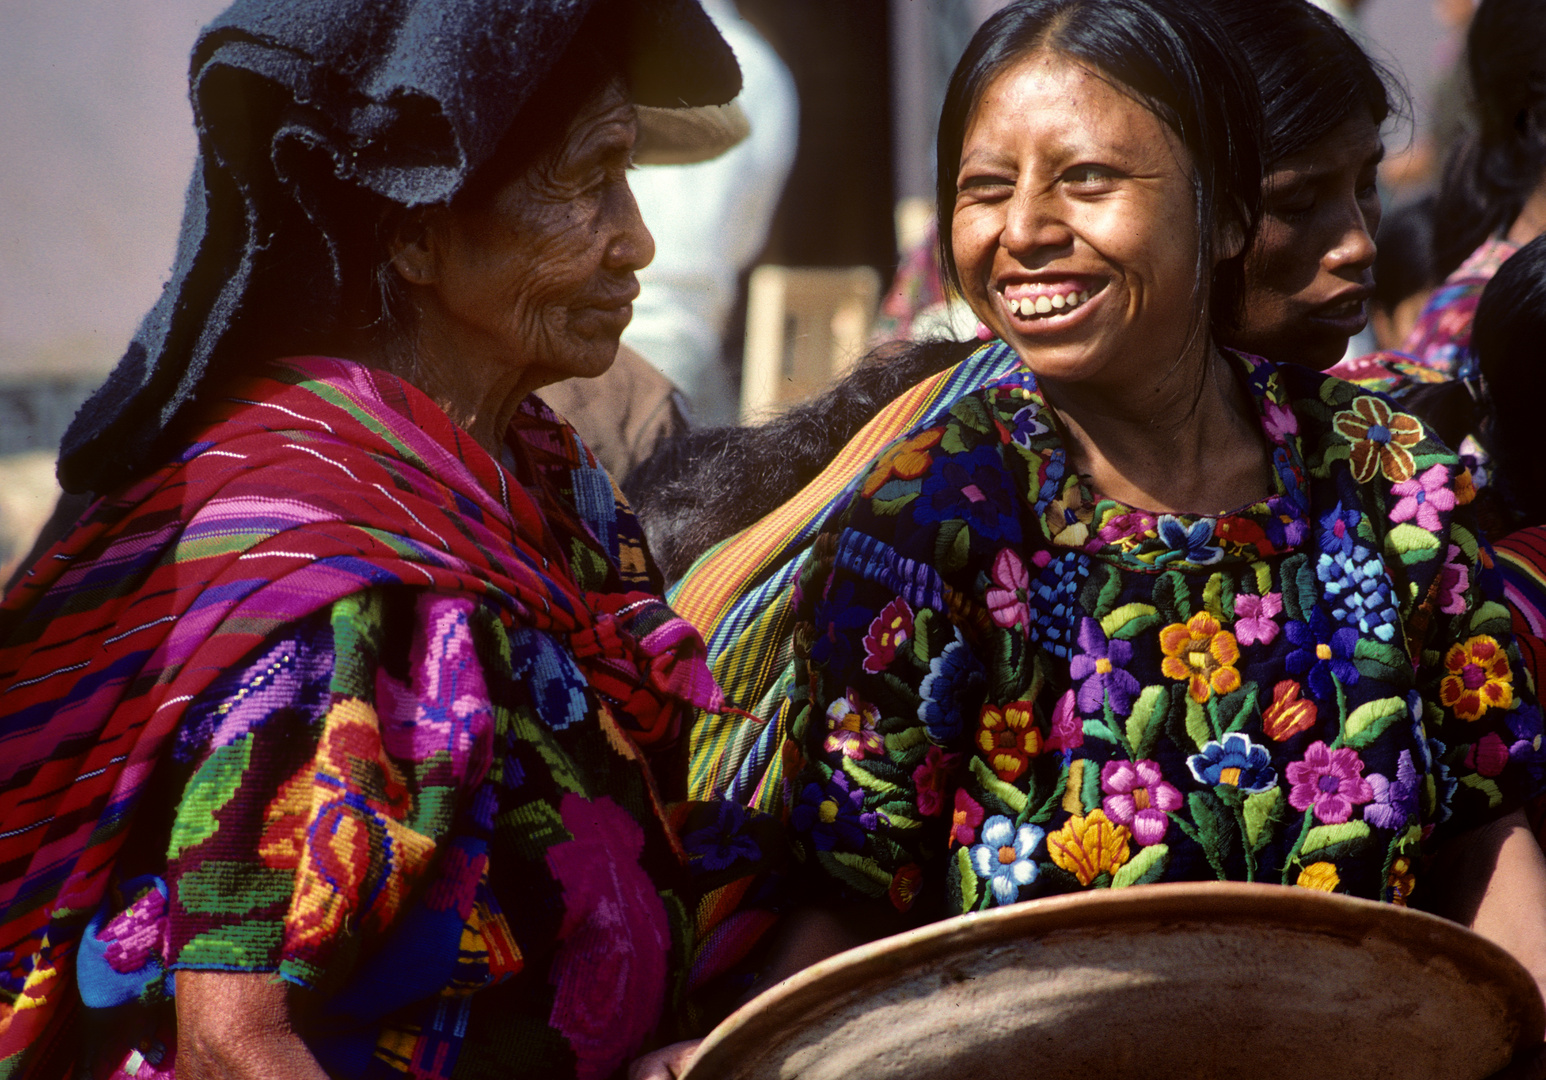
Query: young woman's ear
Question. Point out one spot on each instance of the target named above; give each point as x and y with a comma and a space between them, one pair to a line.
411, 245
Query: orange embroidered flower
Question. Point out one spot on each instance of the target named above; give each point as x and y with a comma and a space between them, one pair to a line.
1465, 487
1008, 738
1088, 845
1202, 653
1479, 678
1400, 881
1321, 875
906, 460
1380, 437
1288, 714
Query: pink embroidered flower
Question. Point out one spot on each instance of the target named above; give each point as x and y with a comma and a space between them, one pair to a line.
964, 819
1138, 796
1006, 598
932, 778
610, 970
1279, 422
1454, 580
1329, 780
851, 727
887, 633
1067, 725
1423, 498
1488, 756
138, 933
1133, 524
1254, 617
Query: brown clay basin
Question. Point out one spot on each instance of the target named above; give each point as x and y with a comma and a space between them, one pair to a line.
1182, 980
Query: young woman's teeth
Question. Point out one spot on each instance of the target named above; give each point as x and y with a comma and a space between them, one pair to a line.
1030, 307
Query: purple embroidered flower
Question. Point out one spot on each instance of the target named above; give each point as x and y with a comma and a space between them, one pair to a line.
1454, 580
1529, 745
1027, 425
1330, 781
1279, 422
1423, 498
1134, 523
1006, 597
1101, 667
1254, 617
1285, 526
717, 846
1319, 653
1138, 796
972, 487
833, 815
1395, 801
1339, 530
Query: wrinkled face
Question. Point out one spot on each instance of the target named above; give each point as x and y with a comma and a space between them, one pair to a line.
534, 282
1074, 230
1310, 272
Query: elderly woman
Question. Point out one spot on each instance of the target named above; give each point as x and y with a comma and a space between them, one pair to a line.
1146, 609
336, 738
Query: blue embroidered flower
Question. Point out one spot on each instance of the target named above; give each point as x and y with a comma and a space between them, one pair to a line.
1318, 652
717, 846
842, 621
972, 487
1444, 782
953, 690
1285, 525
1395, 801
556, 683
1188, 543
1359, 591
832, 813
1052, 598
1003, 857
1054, 468
1339, 530
1236, 762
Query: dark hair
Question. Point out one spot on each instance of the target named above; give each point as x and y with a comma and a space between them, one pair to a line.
1311, 74
697, 489
1492, 171
1404, 261
1170, 56
1508, 337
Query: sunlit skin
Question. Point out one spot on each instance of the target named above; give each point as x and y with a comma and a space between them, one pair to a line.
1069, 187
534, 282
1309, 273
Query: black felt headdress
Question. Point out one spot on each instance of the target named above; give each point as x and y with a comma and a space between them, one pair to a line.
306, 106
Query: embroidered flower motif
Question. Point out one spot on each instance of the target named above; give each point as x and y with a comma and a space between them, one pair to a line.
1089, 845
905, 886
1359, 591
1027, 425
719, 845
1319, 653
1240, 534
1320, 875
971, 487
951, 691
1202, 654
1289, 714
1006, 597
906, 460
1254, 617
931, 778
1003, 859
851, 727
1395, 801
1235, 762
833, 814
964, 819
1101, 673
1065, 527
1487, 757
1285, 525
887, 633
1380, 438
1400, 881
1479, 678
1330, 781
1188, 543
1131, 526
1279, 421
1008, 739
1053, 597
1138, 797
1423, 498
1067, 725
1453, 581
1339, 530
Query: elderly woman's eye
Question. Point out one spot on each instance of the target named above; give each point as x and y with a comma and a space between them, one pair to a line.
1087, 174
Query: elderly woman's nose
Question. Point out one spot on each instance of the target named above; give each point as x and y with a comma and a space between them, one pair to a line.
632, 247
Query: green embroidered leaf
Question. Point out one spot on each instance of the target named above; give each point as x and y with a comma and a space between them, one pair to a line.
859, 871
1007, 794
1325, 835
1110, 589
1490, 617
972, 413
866, 779
1241, 707
1216, 830
1099, 729
1090, 796
923, 620
968, 878
1411, 543
1164, 597
906, 739
892, 507
219, 887
1485, 785
893, 490
1259, 813
1213, 596
1146, 720
1369, 721
1180, 594
951, 442
242, 946
1376, 660
1129, 620
951, 545
1409, 840
898, 820
1291, 567
1142, 868
1306, 586
537, 827
209, 790
1197, 722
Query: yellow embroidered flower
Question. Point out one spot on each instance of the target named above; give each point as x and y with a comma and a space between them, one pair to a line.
1088, 845
1400, 881
1202, 653
1465, 487
1479, 678
1321, 875
906, 460
1008, 738
1380, 437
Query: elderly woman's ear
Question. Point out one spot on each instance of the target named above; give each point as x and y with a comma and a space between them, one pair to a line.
410, 244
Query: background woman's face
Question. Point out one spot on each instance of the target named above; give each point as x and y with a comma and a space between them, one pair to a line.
1309, 274
1074, 231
